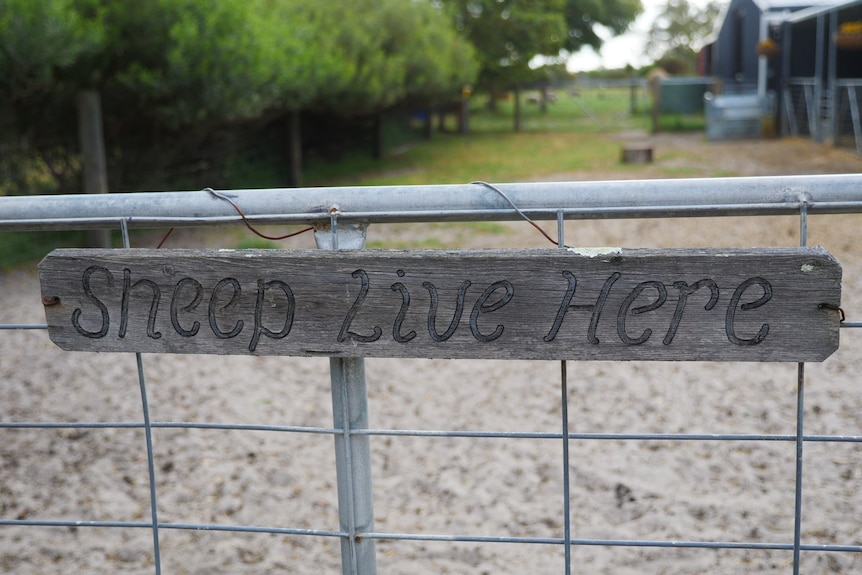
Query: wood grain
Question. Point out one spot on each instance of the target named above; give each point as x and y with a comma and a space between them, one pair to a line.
613, 304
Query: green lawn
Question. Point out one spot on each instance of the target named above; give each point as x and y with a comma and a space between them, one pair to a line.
574, 134
497, 157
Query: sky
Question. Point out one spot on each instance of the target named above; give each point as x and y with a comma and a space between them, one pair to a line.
625, 49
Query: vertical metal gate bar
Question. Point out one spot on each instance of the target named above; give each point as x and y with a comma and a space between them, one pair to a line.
567, 521
800, 418
797, 505
854, 117
148, 433
352, 452
790, 112
807, 91
564, 392
151, 467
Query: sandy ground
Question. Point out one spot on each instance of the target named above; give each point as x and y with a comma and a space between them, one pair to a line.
655, 490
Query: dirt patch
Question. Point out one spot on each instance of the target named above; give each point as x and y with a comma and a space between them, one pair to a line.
690, 155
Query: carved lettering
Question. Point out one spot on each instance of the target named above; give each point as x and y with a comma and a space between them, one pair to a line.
481, 306
128, 286
259, 328
213, 307
627, 304
191, 306
432, 311
103, 309
729, 327
345, 332
402, 312
596, 308
600, 306
380, 309
564, 305
686, 290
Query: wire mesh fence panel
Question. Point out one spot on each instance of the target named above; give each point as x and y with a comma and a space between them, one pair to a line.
181, 463
848, 131
799, 107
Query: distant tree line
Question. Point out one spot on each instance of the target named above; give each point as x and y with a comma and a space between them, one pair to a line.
173, 75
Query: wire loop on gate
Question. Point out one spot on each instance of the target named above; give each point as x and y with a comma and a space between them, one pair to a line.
834, 308
517, 209
245, 221
229, 200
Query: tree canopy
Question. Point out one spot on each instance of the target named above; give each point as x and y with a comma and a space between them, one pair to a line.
387, 51
582, 17
191, 60
508, 34
677, 31
185, 67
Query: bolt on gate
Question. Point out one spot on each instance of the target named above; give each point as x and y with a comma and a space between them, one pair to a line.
751, 305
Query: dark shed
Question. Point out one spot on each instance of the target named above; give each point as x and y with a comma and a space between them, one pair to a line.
791, 50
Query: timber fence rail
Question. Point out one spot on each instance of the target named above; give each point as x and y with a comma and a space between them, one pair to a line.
340, 217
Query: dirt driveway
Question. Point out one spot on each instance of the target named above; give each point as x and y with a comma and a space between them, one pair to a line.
690, 155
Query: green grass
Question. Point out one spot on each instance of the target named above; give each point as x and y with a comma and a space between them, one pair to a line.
256, 243
435, 235
582, 111
425, 243
575, 135
500, 157
18, 248
682, 122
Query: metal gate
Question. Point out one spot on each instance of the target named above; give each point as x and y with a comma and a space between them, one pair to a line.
551, 469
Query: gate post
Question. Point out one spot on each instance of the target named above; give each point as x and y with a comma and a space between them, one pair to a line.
92, 143
352, 452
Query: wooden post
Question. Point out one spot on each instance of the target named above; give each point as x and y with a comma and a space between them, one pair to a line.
464, 117
294, 149
655, 88
637, 153
92, 141
517, 108
377, 147
428, 124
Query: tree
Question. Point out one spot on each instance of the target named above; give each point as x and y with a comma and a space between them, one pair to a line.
184, 70
38, 40
678, 29
187, 61
508, 34
388, 51
582, 17
441, 62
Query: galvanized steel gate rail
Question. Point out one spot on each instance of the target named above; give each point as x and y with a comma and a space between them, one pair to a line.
340, 217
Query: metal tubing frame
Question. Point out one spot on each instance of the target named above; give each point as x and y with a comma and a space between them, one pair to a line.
148, 436
564, 413
800, 421
754, 196
350, 414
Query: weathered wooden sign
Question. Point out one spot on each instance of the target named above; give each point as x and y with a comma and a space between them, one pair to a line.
725, 305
